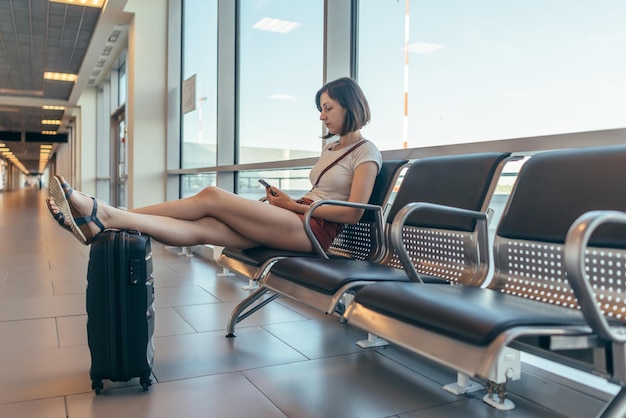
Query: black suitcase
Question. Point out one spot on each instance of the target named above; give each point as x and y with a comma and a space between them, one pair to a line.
120, 308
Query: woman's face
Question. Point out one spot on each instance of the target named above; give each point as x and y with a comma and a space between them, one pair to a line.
332, 114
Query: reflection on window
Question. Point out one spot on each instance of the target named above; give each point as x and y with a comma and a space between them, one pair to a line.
486, 70
192, 184
280, 71
293, 182
200, 70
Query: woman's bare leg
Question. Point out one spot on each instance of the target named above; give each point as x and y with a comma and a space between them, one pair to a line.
187, 209
213, 216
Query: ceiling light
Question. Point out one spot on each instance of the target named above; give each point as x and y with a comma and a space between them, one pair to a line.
44, 156
275, 25
18, 92
88, 3
50, 122
60, 76
49, 132
15, 161
53, 107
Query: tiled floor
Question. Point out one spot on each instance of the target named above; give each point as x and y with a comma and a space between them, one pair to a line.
287, 360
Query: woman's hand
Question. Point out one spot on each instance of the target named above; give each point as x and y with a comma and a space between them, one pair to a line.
277, 197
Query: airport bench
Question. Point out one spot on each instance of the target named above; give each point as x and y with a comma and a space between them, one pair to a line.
363, 240
453, 243
560, 246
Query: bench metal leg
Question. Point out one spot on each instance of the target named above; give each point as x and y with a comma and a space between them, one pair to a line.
496, 396
372, 341
225, 273
238, 314
507, 367
252, 285
616, 408
462, 385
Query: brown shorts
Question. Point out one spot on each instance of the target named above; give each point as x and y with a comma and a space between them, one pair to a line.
325, 231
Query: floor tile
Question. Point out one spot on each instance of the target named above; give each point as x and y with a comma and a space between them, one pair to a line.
166, 297
192, 355
319, 338
40, 408
471, 405
31, 375
358, 385
25, 289
28, 335
303, 309
45, 307
168, 322
72, 330
211, 317
69, 287
30, 270
225, 395
432, 370
229, 289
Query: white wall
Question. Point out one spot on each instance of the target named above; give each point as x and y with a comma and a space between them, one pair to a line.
86, 124
146, 107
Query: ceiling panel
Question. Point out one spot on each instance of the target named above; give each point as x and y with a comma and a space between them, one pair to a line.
37, 36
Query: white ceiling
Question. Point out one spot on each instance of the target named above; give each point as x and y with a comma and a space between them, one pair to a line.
37, 36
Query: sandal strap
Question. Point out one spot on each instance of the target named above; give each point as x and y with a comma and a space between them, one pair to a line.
91, 218
68, 193
59, 218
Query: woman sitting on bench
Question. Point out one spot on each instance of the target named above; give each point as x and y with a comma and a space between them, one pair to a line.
346, 171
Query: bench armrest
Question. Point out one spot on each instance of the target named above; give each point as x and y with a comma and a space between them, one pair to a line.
378, 213
400, 220
576, 243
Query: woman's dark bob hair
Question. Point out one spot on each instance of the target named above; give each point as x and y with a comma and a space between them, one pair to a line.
349, 95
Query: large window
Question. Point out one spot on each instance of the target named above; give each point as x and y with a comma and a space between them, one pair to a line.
280, 69
200, 87
485, 70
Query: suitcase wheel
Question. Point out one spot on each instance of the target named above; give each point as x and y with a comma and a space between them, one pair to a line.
97, 386
146, 383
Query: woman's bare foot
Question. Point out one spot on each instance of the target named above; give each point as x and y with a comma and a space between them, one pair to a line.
57, 214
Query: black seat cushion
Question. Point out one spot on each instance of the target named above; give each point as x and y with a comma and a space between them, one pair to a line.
471, 314
328, 276
461, 181
574, 181
259, 255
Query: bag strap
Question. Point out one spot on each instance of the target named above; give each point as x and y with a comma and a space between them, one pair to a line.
344, 155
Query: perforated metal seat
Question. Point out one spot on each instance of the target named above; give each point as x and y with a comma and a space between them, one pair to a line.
540, 280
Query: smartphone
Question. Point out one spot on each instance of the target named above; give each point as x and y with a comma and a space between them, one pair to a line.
267, 185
